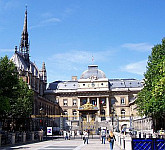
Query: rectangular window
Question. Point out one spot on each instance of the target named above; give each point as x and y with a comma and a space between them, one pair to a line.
65, 102
74, 102
75, 115
122, 100
122, 113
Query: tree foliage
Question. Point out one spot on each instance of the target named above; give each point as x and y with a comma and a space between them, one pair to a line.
8, 82
15, 97
151, 99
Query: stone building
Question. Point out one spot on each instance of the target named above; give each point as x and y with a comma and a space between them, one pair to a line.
37, 81
95, 101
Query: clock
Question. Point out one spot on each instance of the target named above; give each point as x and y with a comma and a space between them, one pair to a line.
93, 84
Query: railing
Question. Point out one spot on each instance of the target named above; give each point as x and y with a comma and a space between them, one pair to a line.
18, 137
148, 144
140, 141
7, 138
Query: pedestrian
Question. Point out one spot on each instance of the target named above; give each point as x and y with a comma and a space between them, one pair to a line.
66, 135
111, 139
85, 137
103, 136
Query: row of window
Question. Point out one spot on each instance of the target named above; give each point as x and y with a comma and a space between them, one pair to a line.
74, 103
74, 112
93, 84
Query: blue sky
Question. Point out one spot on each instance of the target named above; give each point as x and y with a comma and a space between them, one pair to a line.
66, 33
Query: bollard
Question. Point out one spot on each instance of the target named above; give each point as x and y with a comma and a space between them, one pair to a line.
128, 143
0, 139
13, 139
24, 137
40, 133
32, 136
122, 142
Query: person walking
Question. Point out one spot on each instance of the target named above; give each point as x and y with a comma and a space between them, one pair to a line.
103, 136
85, 137
111, 139
66, 135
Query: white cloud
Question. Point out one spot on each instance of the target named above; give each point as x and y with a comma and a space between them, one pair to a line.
46, 22
8, 5
6, 50
74, 62
143, 47
137, 67
51, 20
80, 57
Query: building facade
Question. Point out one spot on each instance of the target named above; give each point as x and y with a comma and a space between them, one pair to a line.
37, 81
94, 101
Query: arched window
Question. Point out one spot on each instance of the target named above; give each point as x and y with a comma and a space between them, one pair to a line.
122, 113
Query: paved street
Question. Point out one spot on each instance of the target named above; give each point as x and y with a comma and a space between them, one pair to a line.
61, 144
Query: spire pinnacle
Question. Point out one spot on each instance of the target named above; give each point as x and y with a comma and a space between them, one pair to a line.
24, 45
25, 21
43, 67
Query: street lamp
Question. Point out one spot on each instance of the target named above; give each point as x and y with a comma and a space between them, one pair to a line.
113, 111
41, 121
117, 120
131, 121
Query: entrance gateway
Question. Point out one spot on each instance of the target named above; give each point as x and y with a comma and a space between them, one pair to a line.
88, 117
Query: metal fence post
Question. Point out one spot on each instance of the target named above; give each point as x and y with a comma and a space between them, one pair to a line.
24, 137
13, 138
0, 139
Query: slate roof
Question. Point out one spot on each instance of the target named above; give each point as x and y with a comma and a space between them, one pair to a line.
125, 83
93, 71
21, 64
113, 83
63, 85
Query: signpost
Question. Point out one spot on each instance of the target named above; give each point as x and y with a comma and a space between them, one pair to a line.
49, 131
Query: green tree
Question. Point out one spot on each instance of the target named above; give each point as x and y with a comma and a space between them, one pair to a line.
16, 98
8, 82
151, 100
21, 105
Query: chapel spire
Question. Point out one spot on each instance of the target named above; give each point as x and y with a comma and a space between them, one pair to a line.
24, 45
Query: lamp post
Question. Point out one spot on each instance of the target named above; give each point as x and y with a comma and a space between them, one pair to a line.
131, 121
113, 111
117, 120
41, 121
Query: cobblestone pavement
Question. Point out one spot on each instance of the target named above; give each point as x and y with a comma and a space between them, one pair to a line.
61, 144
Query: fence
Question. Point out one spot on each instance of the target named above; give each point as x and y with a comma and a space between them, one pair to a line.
127, 142
148, 144
7, 138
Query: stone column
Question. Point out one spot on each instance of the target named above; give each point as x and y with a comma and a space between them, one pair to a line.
107, 109
78, 105
24, 137
88, 99
98, 106
32, 136
13, 139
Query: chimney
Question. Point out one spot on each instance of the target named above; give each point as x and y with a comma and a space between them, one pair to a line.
74, 78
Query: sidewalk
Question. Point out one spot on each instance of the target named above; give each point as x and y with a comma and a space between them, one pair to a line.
61, 144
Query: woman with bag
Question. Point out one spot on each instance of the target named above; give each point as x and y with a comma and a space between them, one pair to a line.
111, 139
